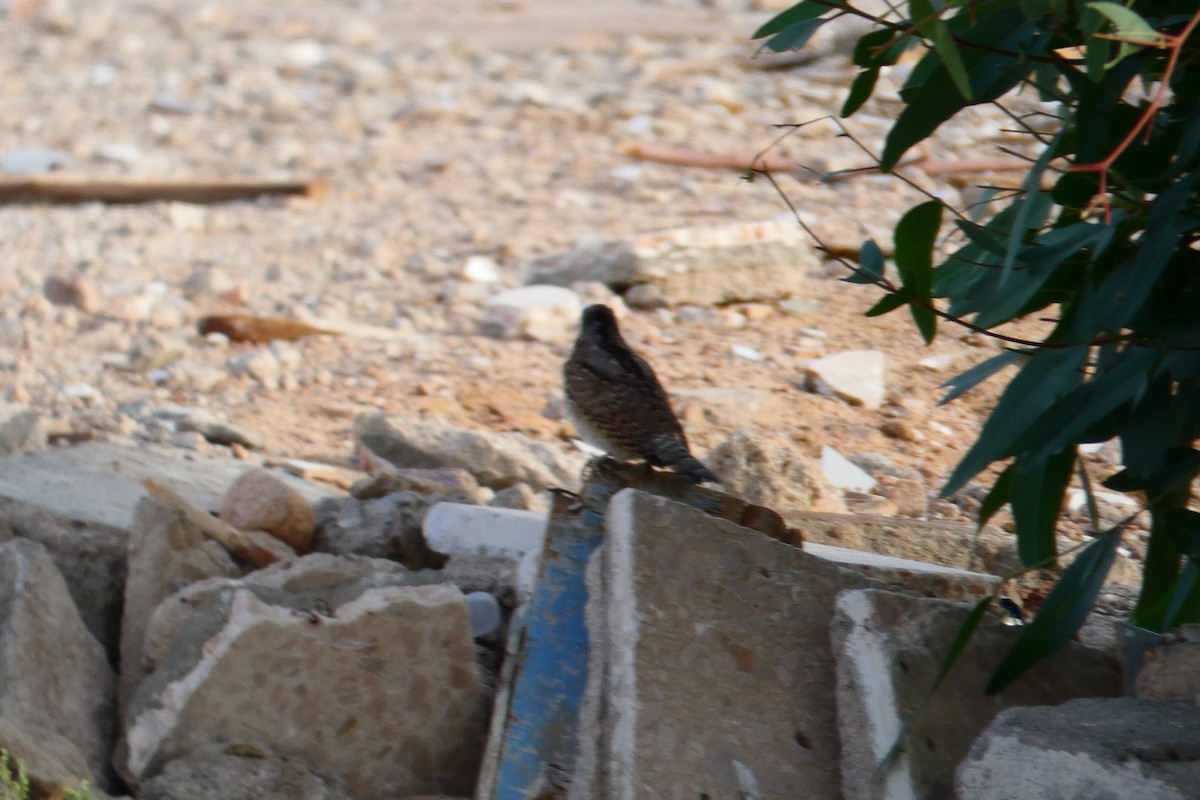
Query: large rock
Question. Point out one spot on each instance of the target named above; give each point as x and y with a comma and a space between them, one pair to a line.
889, 649
55, 682
496, 460
166, 553
248, 772
1107, 749
746, 262
379, 688
389, 527
711, 661
772, 473
319, 581
80, 503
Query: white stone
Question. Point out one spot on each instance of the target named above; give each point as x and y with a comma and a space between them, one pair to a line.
843, 473
856, 376
542, 313
481, 269
460, 529
748, 353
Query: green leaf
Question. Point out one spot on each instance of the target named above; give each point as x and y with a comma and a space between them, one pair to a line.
1185, 599
1024, 206
870, 264
925, 319
1063, 613
977, 374
1128, 23
1181, 466
989, 64
915, 236
1044, 378
1184, 527
860, 90
996, 497
1086, 482
1036, 495
889, 302
801, 12
794, 37
929, 23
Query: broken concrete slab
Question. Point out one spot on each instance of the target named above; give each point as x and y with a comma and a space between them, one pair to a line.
745, 262
166, 553
318, 582
1086, 749
889, 648
718, 660
497, 460
381, 690
55, 681
856, 376
930, 580
80, 503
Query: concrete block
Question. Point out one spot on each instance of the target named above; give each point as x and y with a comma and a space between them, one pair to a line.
1171, 672
889, 648
718, 670
1088, 749
460, 529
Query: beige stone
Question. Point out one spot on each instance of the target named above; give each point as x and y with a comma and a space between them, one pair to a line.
770, 472
381, 691
1171, 672
259, 501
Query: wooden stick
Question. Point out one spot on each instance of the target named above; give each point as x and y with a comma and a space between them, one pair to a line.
70, 189
259, 551
691, 158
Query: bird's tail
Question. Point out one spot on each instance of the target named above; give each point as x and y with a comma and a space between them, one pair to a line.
672, 452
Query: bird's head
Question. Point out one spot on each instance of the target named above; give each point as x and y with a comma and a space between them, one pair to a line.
599, 320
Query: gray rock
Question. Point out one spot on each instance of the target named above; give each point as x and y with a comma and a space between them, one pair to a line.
52, 762
388, 527
889, 649
519, 496
21, 430
541, 313
380, 689
55, 680
773, 474
749, 262
80, 503
240, 771
322, 581
1093, 749
856, 376
497, 460
440, 481
166, 553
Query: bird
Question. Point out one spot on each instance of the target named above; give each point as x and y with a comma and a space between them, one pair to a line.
616, 403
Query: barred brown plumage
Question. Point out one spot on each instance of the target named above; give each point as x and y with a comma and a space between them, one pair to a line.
617, 404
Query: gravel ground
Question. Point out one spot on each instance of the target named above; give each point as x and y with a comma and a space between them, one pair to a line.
445, 132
